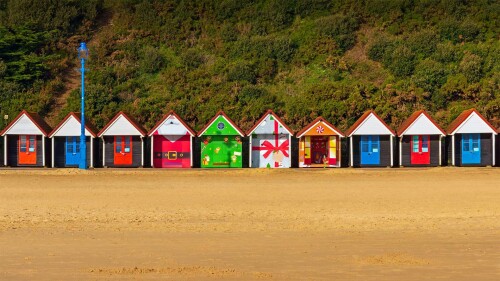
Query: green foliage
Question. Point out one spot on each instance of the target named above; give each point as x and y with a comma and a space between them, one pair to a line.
429, 75
401, 62
471, 67
20, 61
241, 71
301, 58
340, 28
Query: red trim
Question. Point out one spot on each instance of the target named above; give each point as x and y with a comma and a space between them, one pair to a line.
89, 128
165, 117
35, 118
249, 132
200, 132
129, 119
462, 117
319, 119
362, 118
408, 122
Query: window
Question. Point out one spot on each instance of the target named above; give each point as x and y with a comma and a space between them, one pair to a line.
118, 144
374, 145
69, 145
466, 142
22, 143
425, 143
475, 143
76, 141
364, 144
415, 144
127, 144
32, 142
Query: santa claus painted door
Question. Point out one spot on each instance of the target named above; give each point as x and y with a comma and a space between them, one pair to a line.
123, 150
420, 151
27, 150
171, 151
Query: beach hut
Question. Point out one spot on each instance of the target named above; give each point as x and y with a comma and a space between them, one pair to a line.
171, 142
320, 144
25, 141
472, 140
65, 142
1, 152
497, 148
123, 142
420, 141
270, 142
221, 143
371, 142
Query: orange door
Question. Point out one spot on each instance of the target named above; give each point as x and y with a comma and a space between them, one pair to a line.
27, 150
123, 150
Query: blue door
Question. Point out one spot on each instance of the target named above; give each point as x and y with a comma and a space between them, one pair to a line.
72, 151
370, 150
471, 149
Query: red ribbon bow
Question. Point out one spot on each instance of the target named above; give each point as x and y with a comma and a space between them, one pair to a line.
269, 147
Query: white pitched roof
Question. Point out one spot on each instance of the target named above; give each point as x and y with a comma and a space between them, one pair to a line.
70, 128
23, 126
422, 126
372, 126
473, 124
121, 126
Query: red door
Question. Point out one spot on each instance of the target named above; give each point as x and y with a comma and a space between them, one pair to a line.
123, 150
420, 150
27, 150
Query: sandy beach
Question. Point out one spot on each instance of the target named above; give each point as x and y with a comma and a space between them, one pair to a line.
250, 224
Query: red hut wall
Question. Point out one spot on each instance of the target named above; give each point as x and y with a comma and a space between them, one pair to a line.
170, 152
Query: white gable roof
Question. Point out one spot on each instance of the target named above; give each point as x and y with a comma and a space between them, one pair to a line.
70, 128
266, 126
121, 127
172, 126
473, 124
23, 126
372, 126
422, 126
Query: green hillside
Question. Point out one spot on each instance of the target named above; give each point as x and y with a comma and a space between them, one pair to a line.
302, 58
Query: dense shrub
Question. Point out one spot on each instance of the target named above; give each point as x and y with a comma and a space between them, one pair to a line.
380, 48
241, 71
429, 75
471, 67
401, 62
341, 28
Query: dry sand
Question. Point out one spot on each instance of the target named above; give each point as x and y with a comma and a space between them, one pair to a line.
250, 224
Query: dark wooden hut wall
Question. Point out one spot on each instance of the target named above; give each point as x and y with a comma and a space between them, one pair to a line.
136, 152
60, 152
1, 151
486, 150
385, 151
434, 150
12, 150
